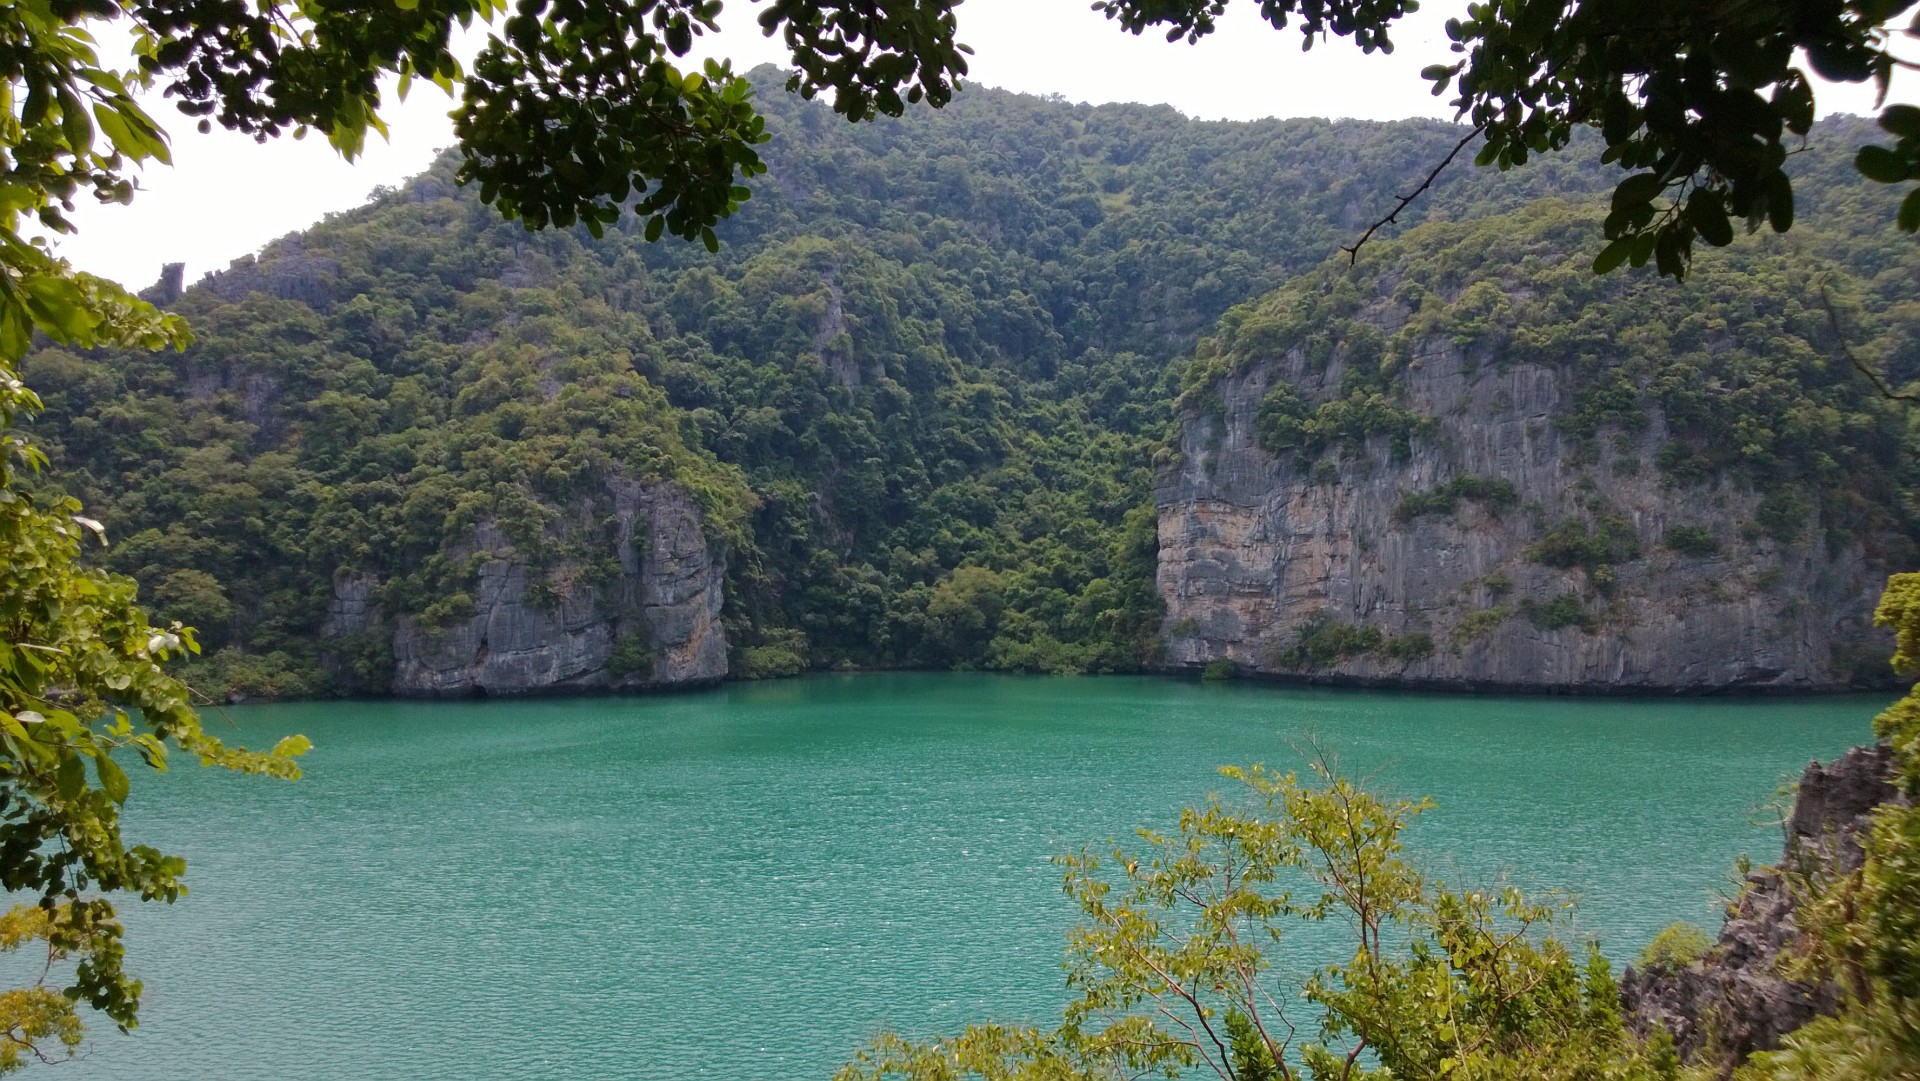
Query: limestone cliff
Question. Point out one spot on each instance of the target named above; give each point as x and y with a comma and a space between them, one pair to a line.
539, 624
1484, 545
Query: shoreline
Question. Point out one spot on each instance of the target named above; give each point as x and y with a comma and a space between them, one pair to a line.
1286, 681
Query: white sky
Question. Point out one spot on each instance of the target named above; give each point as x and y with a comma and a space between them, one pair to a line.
225, 195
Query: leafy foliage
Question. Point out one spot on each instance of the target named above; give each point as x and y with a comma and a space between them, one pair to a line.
81, 681
1676, 946
81, 677
1701, 104
1221, 670
1610, 538
1478, 624
1175, 963
1322, 640
1691, 540
1563, 610
1497, 494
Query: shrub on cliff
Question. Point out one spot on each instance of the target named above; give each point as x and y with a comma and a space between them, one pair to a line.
1676, 946
1496, 493
1691, 540
1573, 543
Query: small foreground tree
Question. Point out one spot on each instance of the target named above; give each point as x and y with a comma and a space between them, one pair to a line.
1182, 963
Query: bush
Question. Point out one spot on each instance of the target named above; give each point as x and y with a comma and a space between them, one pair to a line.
1680, 945
1408, 647
1782, 515
1285, 423
1322, 640
1496, 493
447, 611
1477, 625
1565, 610
363, 662
768, 662
1691, 540
1280, 422
632, 657
1572, 543
1221, 670
233, 676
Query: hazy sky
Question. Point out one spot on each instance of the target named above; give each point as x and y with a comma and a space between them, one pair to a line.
226, 196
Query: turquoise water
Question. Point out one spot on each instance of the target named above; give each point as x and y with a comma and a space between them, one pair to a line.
747, 883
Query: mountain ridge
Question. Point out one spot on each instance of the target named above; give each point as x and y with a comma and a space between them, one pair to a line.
915, 398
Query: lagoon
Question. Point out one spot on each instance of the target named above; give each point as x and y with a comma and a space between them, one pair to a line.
748, 882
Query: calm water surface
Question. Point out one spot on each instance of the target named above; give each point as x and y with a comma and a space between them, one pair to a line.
746, 883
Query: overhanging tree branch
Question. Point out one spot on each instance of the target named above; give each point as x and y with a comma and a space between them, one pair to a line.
1839, 336
1353, 253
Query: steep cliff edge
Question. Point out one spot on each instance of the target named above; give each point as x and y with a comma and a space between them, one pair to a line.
1736, 1000
631, 602
1390, 478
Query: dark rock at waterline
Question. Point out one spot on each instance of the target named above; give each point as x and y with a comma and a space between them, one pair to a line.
1736, 1001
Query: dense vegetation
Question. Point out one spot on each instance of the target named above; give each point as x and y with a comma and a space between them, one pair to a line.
918, 392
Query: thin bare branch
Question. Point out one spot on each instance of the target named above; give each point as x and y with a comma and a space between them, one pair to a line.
1879, 384
1393, 217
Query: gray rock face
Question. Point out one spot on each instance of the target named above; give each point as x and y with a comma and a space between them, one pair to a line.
1735, 1001
1251, 547
656, 625
169, 286
285, 270
354, 609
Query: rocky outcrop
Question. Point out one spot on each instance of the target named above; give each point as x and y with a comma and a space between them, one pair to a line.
169, 286
1254, 550
285, 269
538, 625
1737, 1000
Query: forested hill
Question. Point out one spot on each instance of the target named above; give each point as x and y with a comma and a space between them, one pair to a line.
915, 398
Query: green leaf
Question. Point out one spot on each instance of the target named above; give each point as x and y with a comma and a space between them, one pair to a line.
1841, 60
1780, 202
113, 779
1708, 213
1909, 217
1613, 255
1902, 120
1637, 190
1879, 163
71, 778
74, 125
